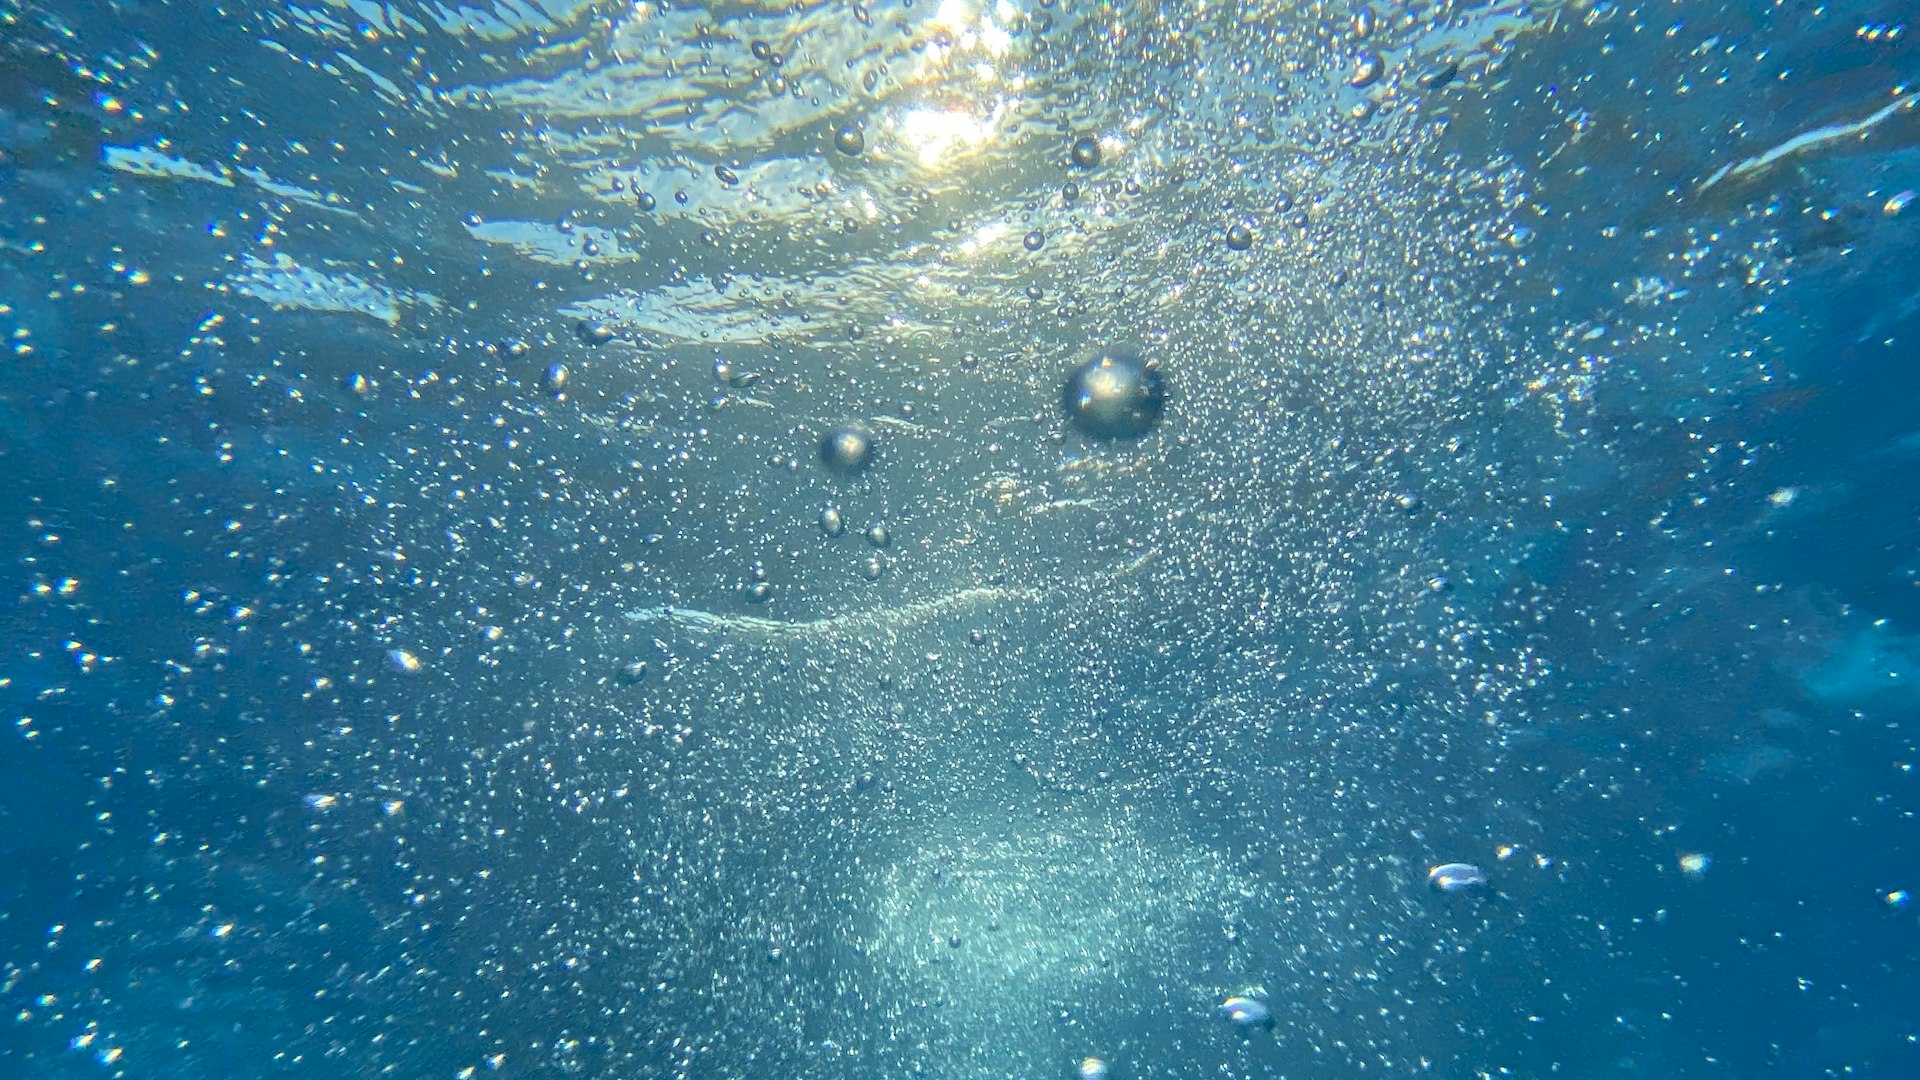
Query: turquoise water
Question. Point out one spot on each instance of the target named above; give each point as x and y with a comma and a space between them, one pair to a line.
442, 649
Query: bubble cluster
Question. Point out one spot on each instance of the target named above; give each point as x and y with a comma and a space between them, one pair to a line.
955, 540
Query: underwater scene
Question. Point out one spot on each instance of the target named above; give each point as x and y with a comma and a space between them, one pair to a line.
959, 539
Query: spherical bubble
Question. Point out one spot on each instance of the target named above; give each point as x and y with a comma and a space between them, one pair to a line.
1092, 1068
877, 534
557, 377
1246, 1011
634, 671
759, 592
1239, 236
1456, 877
1085, 152
849, 140
831, 523
1114, 395
1367, 69
593, 333
873, 568
847, 448
1034, 240
1439, 75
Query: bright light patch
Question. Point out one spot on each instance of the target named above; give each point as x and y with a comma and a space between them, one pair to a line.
985, 237
956, 15
936, 136
973, 29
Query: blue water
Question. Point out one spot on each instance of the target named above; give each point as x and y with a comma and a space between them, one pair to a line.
427, 658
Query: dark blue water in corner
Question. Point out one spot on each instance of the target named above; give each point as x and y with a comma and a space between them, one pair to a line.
431, 655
